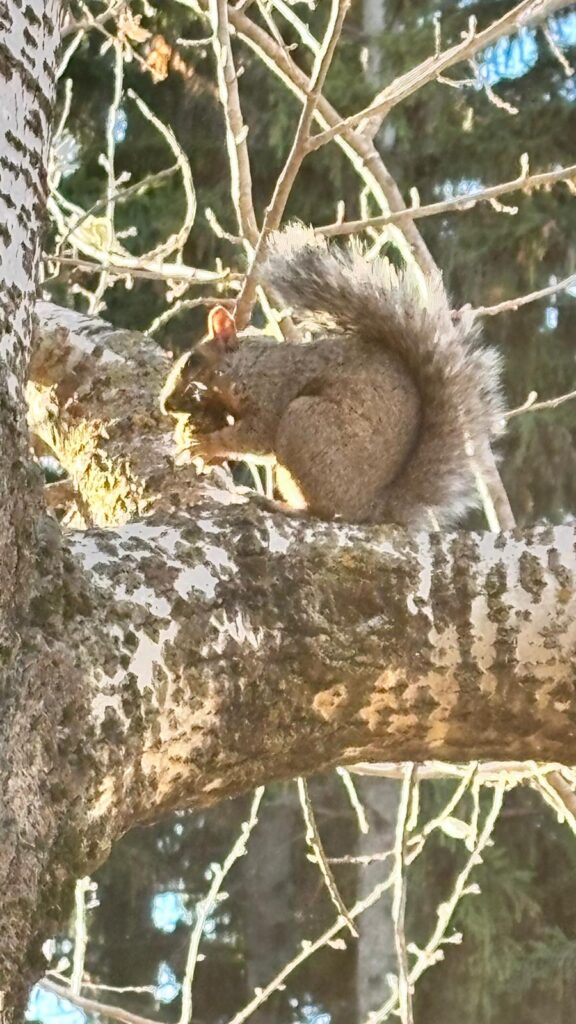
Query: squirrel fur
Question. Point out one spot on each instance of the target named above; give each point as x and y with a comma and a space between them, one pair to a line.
369, 420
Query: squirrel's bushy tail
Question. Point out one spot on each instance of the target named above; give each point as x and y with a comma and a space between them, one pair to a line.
459, 381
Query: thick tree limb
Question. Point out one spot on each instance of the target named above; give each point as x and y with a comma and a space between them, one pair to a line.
93, 400
453, 647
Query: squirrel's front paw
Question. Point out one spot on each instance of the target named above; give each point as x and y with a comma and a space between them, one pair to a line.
205, 447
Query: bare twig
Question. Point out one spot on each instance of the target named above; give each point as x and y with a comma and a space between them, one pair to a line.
184, 304
330, 934
120, 196
355, 801
359, 149
91, 21
69, 53
531, 405
524, 183
236, 129
298, 151
405, 85
566, 797
206, 907
488, 771
399, 898
431, 952
318, 855
175, 243
301, 28
83, 885
555, 49
364, 858
122, 265
523, 300
95, 304
308, 949
92, 1005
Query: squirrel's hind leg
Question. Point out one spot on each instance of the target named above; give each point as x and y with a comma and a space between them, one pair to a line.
329, 457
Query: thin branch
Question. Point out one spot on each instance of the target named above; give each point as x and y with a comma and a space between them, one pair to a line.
307, 950
120, 196
300, 26
207, 906
523, 300
555, 49
181, 306
524, 183
83, 885
355, 801
364, 858
298, 151
175, 243
470, 776
122, 265
319, 857
92, 21
236, 129
94, 305
564, 792
360, 150
330, 934
399, 898
488, 772
531, 405
431, 952
69, 53
473, 42
92, 1005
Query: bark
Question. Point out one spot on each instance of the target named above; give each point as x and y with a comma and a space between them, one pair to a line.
31, 804
93, 403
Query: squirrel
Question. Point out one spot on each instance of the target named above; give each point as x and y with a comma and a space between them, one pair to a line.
369, 421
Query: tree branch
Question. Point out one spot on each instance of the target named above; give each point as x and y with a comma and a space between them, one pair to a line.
236, 130
472, 43
93, 400
300, 148
359, 149
524, 182
523, 300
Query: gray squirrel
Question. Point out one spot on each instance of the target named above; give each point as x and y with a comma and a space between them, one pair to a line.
369, 421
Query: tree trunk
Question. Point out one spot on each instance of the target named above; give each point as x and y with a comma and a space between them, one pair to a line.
268, 894
376, 950
373, 21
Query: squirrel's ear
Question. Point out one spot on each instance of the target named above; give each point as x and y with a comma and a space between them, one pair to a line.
222, 328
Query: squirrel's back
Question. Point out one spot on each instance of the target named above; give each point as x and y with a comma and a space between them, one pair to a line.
457, 380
